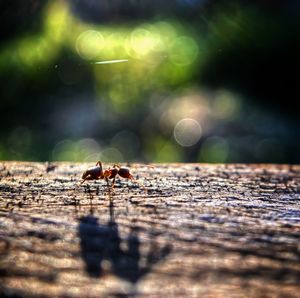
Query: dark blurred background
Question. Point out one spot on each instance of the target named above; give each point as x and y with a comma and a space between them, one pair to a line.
205, 81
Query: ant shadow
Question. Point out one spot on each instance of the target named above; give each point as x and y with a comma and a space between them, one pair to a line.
103, 250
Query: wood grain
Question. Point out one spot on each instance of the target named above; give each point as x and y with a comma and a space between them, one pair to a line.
199, 231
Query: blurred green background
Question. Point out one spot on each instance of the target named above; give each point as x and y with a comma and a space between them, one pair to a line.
205, 81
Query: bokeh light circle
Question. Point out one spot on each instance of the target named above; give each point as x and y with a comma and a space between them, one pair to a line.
89, 44
183, 51
187, 132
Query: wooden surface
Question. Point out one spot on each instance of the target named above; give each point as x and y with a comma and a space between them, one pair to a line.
199, 231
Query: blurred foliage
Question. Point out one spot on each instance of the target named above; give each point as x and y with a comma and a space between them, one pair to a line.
190, 90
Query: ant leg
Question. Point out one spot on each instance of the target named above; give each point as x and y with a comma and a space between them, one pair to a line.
86, 178
110, 187
113, 182
137, 182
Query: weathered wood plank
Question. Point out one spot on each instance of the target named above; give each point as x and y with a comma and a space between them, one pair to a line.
200, 230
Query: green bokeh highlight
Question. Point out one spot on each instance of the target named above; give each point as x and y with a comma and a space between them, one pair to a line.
164, 55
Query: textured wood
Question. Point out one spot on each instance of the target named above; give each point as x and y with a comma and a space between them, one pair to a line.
199, 231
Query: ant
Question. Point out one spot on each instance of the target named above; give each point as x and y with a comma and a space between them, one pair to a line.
97, 172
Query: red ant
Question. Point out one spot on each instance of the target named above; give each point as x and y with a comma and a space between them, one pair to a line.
97, 172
